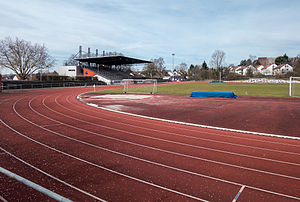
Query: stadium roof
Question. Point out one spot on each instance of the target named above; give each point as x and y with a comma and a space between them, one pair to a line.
112, 60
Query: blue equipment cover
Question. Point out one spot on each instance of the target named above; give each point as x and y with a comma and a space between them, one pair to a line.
217, 82
213, 94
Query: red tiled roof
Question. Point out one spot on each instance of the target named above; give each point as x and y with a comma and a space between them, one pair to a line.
267, 66
279, 66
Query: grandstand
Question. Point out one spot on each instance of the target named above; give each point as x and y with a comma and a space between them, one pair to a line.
106, 68
106, 75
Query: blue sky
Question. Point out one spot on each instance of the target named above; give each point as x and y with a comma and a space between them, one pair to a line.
192, 29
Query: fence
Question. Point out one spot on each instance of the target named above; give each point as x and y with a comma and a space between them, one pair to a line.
12, 85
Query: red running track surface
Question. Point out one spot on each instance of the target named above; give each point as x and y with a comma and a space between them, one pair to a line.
270, 115
89, 154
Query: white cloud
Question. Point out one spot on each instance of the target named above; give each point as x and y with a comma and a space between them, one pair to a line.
148, 29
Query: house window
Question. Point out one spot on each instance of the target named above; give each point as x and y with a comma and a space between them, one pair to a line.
71, 70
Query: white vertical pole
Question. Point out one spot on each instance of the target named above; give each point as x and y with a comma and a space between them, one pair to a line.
290, 86
172, 61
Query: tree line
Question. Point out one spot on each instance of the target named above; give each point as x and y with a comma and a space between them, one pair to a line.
218, 68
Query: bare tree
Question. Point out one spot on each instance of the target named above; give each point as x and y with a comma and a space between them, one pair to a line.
217, 59
182, 68
297, 66
70, 61
24, 58
252, 58
155, 69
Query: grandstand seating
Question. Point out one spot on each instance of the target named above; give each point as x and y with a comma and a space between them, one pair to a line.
111, 74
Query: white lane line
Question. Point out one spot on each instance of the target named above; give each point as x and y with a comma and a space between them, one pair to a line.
197, 125
267, 191
145, 146
186, 129
43, 172
255, 188
49, 125
175, 134
170, 141
140, 159
34, 186
3, 199
238, 194
103, 168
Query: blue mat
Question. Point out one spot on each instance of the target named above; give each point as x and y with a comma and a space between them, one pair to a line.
217, 82
213, 94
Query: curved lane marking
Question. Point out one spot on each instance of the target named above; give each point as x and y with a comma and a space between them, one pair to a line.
154, 148
93, 164
176, 134
197, 125
188, 129
255, 188
184, 123
170, 141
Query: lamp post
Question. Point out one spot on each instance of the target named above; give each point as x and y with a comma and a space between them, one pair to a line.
173, 54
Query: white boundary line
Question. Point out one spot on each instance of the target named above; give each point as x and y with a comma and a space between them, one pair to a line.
34, 186
173, 133
170, 141
255, 188
259, 189
189, 124
190, 129
154, 148
104, 168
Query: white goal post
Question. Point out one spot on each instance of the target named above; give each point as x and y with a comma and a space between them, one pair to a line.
294, 86
140, 86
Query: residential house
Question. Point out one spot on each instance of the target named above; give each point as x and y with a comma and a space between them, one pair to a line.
239, 70
269, 69
233, 68
249, 68
283, 69
259, 68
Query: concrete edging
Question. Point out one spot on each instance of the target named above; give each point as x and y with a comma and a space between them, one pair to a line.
188, 124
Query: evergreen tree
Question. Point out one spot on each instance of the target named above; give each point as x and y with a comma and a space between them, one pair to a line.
243, 63
204, 66
282, 60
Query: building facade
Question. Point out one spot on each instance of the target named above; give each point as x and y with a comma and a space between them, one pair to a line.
71, 71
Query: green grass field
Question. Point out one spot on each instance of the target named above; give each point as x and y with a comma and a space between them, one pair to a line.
240, 89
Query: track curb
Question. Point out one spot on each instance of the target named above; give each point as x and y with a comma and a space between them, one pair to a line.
78, 97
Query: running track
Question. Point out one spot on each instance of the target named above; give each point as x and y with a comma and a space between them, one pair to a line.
88, 154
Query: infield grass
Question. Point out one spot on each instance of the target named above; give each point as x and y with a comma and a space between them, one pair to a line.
240, 89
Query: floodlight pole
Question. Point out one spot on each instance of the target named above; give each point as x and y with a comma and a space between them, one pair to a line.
173, 54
